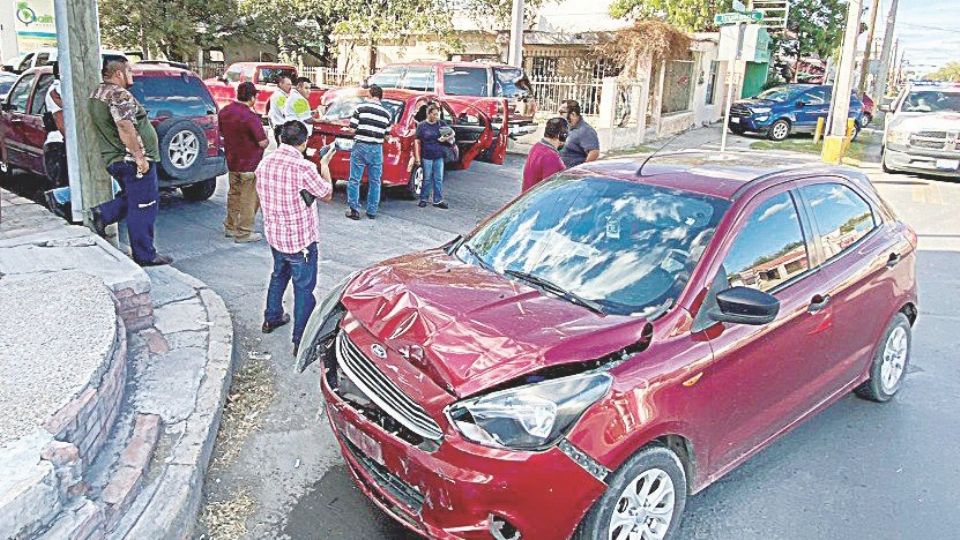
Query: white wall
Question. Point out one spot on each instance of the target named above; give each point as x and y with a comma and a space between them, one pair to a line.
577, 16
8, 32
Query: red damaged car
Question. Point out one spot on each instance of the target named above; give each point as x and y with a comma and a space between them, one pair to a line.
265, 75
612, 342
478, 137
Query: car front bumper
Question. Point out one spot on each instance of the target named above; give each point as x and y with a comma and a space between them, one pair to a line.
453, 492
756, 123
945, 164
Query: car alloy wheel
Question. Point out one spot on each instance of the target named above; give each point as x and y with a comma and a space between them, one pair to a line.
184, 149
4, 168
894, 359
779, 130
645, 508
415, 185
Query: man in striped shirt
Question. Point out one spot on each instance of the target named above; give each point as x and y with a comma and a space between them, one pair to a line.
370, 123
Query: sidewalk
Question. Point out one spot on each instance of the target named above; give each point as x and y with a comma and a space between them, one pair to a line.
116, 446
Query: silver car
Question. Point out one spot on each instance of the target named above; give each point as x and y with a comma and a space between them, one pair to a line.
922, 133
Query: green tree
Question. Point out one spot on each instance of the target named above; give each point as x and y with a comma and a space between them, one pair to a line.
175, 28
814, 27
949, 72
689, 15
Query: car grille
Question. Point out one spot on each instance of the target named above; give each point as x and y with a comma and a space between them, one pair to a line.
382, 391
387, 481
739, 111
933, 140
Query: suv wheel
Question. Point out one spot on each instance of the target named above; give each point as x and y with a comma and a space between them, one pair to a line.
889, 362
644, 499
200, 191
183, 146
779, 131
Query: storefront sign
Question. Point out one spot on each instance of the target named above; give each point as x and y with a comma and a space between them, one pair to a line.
35, 25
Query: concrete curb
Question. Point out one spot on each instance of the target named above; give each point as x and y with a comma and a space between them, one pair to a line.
173, 498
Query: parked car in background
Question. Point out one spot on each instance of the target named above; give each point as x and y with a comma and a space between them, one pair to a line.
48, 55
6, 81
791, 108
178, 104
478, 136
476, 79
868, 110
264, 75
922, 133
612, 342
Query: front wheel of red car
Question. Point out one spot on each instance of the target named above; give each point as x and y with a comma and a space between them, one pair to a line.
645, 499
889, 362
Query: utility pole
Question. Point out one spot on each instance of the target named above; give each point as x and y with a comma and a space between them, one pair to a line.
836, 133
515, 52
865, 68
79, 58
885, 55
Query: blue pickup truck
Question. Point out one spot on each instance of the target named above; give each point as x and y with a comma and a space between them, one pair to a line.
782, 110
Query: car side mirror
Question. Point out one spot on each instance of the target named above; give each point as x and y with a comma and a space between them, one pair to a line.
885, 108
6, 106
801, 104
743, 305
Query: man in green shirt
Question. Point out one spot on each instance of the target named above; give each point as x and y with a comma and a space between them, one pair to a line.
130, 152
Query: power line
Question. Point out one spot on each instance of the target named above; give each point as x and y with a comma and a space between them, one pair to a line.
925, 27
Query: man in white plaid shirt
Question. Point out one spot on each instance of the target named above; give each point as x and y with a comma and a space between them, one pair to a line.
291, 226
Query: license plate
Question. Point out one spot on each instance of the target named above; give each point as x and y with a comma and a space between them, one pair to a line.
734, 120
370, 447
948, 164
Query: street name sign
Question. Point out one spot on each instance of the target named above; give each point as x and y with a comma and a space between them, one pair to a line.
737, 18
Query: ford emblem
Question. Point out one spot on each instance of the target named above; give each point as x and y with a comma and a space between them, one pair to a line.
378, 351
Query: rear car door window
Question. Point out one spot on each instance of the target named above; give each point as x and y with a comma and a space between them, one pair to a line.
232, 76
180, 96
817, 96
271, 75
422, 79
505, 82
770, 249
39, 104
20, 93
466, 81
841, 215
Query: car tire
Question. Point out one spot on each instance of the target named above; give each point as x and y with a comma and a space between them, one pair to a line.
865, 120
183, 147
883, 162
737, 130
890, 362
199, 191
655, 464
779, 130
415, 184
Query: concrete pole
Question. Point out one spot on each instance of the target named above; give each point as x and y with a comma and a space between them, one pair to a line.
79, 58
868, 48
515, 53
833, 142
885, 55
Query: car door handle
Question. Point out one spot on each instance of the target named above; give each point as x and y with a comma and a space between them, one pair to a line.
818, 302
893, 259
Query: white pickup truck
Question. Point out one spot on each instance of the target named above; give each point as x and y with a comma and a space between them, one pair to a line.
922, 132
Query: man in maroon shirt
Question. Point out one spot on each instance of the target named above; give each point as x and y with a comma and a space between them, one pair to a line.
544, 160
244, 140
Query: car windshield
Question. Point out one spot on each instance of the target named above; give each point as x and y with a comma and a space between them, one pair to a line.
182, 95
934, 101
342, 108
778, 94
627, 247
271, 75
6, 82
507, 79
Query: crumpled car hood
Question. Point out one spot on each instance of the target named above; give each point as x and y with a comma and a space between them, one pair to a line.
471, 329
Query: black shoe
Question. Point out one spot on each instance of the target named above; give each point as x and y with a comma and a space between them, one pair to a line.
371, 216
271, 326
159, 260
423, 204
99, 226
441, 204
353, 214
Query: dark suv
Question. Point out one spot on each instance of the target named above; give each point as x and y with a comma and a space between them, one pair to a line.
179, 106
791, 108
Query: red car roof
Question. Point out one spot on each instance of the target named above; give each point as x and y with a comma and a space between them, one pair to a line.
448, 63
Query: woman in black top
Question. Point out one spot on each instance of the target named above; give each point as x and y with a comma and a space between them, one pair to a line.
429, 154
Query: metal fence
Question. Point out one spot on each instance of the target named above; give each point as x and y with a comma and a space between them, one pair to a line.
551, 91
326, 76
209, 70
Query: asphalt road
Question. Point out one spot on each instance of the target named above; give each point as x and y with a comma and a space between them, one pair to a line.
858, 470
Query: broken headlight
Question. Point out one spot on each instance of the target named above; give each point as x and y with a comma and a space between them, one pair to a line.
321, 323
530, 417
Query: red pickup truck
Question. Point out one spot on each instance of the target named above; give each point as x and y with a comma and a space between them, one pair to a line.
264, 75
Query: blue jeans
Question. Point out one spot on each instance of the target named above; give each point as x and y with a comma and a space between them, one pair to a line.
301, 267
432, 177
369, 156
137, 203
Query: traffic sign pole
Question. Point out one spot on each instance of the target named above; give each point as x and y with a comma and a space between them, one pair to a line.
731, 80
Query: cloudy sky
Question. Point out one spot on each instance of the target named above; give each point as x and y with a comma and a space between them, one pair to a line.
929, 31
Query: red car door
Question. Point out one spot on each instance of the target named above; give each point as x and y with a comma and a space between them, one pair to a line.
496, 111
34, 133
477, 137
13, 133
861, 254
758, 374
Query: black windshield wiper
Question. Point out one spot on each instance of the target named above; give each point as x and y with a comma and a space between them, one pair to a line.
477, 256
555, 289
